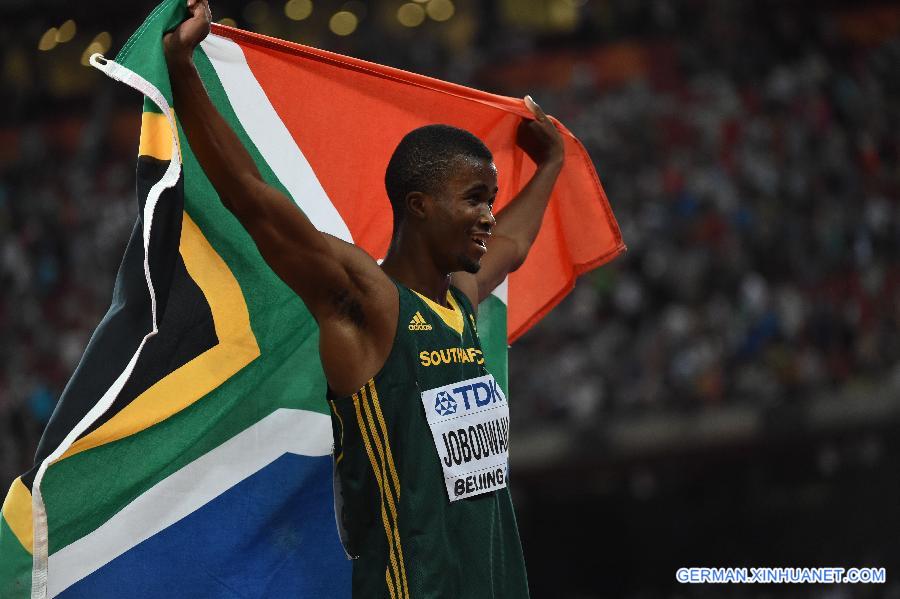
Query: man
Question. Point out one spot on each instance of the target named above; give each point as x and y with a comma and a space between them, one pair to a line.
398, 341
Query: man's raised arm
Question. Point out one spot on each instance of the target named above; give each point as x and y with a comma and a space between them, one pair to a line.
331, 279
518, 225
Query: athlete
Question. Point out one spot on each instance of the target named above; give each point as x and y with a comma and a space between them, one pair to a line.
420, 427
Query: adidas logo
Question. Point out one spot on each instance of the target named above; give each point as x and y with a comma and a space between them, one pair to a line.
418, 323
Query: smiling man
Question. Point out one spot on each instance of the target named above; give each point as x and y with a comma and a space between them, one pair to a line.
421, 429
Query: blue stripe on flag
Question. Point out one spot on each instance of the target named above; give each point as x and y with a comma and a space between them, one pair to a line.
271, 535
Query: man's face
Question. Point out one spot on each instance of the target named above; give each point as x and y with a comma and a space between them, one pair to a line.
463, 210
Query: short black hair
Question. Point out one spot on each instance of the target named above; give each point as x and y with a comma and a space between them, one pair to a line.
422, 159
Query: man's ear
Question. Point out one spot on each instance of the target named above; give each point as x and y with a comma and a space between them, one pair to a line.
417, 205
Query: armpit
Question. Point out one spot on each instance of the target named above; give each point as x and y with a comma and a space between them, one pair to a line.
348, 306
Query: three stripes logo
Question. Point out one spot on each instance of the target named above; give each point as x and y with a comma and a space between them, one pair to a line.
418, 323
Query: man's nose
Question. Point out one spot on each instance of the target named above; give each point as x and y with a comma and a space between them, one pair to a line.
487, 217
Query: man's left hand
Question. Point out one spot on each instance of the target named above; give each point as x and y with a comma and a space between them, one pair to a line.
540, 138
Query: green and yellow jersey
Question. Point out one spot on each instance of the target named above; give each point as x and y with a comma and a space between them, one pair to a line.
420, 466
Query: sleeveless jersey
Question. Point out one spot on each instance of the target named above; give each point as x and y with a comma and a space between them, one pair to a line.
407, 539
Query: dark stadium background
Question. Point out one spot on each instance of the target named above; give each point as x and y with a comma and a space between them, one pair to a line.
725, 394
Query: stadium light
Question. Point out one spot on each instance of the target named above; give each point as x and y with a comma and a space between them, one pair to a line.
297, 10
104, 39
440, 10
66, 32
343, 22
411, 14
563, 14
48, 40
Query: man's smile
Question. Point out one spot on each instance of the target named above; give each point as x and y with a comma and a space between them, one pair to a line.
480, 240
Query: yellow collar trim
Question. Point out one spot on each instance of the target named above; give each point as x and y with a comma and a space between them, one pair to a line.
451, 316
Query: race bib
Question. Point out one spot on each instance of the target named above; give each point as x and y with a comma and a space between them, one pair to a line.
469, 421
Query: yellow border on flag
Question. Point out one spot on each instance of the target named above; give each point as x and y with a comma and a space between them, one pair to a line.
237, 347
156, 137
17, 513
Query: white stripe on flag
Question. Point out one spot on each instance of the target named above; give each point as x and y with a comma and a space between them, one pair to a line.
41, 544
187, 490
271, 137
502, 291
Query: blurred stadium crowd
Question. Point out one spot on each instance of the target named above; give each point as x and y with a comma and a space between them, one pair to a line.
750, 151
753, 166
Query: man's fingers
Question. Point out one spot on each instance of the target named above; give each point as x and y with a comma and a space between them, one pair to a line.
198, 7
534, 108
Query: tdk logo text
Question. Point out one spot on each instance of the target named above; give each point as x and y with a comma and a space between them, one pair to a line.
478, 394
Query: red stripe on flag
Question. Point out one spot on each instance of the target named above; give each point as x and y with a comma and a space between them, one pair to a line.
347, 116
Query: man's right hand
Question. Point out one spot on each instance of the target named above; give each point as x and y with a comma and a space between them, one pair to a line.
180, 42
